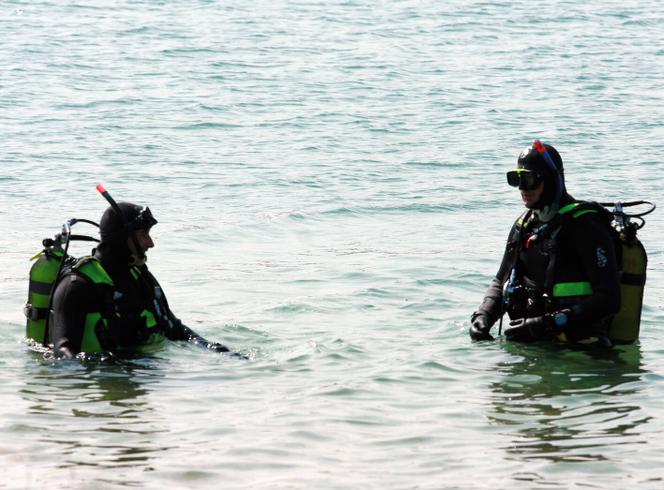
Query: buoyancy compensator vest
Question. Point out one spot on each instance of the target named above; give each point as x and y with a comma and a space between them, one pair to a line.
631, 259
100, 330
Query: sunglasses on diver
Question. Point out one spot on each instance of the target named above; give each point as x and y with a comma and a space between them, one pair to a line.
524, 179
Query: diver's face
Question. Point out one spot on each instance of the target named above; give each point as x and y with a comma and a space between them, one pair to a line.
144, 241
532, 197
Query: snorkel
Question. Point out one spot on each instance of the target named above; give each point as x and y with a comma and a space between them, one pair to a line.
549, 210
145, 215
541, 149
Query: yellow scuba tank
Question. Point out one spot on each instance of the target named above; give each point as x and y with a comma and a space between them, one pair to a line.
44, 275
625, 325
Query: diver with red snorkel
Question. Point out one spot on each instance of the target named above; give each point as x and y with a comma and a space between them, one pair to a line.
560, 277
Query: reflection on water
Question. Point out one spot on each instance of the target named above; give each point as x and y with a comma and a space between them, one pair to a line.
95, 414
566, 405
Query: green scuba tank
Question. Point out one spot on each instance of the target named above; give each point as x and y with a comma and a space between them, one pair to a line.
626, 324
44, 274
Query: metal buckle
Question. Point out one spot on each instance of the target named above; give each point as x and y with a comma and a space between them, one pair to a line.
32, 313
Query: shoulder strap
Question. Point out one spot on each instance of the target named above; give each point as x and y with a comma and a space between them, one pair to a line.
549, 274
522, 221
516, 234
577, 209
91, 268
564, 215
516, 239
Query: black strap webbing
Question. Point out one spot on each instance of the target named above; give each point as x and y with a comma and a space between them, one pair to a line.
35, 314
38, 287
632, 279
549, 274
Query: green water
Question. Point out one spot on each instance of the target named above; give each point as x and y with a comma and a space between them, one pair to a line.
329, 184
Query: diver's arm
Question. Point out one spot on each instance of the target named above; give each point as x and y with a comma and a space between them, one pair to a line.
174, 329
491, 306
198, 340
71, 302
182, 332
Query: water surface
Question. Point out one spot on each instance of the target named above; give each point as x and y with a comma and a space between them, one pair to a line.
329, 183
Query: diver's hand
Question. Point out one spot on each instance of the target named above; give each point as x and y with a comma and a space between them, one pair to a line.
529, 329
63, 352
205, 344
479, 328
217, 347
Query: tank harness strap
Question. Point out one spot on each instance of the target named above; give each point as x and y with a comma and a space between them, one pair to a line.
39, 287
34, 313
568, 207
515, 243
91, 268
582, 212
515, 240
631, 279
556, 226
549, 274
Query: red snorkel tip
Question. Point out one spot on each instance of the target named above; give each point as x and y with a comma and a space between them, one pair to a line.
539, 146
102, 190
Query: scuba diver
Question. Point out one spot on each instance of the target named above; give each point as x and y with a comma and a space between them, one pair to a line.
559, 276
109, 300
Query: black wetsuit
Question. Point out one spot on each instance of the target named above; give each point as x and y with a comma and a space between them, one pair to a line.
584, 250
75, 297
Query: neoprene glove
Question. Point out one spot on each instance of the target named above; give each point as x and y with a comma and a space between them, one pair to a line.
479, 327
217, 347
529, 329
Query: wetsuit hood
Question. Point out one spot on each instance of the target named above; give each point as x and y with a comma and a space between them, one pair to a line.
554, 179
115, 230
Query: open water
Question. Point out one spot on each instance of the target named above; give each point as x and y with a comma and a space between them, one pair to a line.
329, 182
